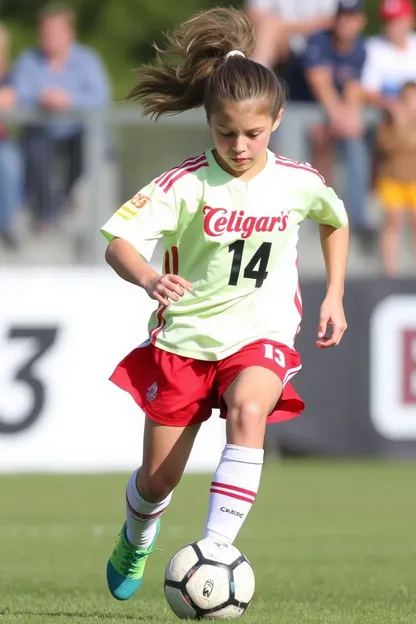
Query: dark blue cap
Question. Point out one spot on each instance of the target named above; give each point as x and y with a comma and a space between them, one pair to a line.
350, 6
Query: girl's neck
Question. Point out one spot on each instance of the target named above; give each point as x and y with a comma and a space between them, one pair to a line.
246, 175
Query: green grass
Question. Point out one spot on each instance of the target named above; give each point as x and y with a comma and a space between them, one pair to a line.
330, 543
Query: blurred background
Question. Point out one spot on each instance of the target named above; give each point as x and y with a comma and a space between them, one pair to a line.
72, 150
331, 536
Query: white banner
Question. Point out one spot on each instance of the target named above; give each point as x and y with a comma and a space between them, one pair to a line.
62, 332
393, 367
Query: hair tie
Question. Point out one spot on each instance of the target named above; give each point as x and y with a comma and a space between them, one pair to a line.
234, 53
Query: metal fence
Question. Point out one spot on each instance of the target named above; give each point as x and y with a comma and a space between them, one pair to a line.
140, 150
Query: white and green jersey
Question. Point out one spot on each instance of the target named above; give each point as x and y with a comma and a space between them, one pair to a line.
235, 241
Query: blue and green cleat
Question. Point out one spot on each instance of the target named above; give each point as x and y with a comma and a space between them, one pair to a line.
125, 568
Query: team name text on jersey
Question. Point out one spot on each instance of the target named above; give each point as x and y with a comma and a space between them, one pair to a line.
217, 221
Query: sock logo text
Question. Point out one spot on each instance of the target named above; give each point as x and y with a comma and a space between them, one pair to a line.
232, 512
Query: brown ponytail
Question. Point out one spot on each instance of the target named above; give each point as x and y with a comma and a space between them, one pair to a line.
192, 70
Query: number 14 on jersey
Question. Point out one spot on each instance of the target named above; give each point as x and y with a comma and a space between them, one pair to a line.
256, 268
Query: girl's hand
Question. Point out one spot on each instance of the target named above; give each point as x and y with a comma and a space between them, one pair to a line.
332, 313
167, 288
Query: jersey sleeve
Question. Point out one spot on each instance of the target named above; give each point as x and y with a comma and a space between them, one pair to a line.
144, 219
327, 208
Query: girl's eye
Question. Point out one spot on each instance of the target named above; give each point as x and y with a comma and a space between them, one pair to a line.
231, 134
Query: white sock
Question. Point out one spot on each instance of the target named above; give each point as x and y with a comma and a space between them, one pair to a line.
141, 516
233, 491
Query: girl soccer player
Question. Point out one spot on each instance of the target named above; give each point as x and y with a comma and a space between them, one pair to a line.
229, 302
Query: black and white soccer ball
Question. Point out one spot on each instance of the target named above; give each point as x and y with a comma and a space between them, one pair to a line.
209, 580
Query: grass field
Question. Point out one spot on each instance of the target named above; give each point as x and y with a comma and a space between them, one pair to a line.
329, 542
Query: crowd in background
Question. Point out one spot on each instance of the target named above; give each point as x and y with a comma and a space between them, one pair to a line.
316, 46
39, 169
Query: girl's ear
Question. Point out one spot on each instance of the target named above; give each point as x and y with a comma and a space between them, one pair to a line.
278, 120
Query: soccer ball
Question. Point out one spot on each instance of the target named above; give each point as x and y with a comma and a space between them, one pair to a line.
209, 580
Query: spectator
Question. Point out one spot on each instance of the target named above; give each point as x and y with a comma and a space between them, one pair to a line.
333, 63
283, 27
396, 142
10, 162
391, 57
59, 76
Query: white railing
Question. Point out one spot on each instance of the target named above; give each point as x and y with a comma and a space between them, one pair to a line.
144, 149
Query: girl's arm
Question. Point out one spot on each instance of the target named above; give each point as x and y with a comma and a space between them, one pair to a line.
127, 262
334, 244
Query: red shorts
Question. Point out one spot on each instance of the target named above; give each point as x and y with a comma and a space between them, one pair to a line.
180, 391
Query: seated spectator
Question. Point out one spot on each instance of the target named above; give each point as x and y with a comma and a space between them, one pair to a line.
396, 185
391, 57
10, 162
333, 63
283, 27
58, 76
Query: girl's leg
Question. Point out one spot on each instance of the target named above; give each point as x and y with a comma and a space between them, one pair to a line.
186, 398
166, 451
250, 398
389, 240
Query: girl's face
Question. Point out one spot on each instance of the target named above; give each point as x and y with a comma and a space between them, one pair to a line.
241, 133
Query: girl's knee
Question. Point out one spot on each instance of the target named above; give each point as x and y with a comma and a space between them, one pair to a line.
246, 414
